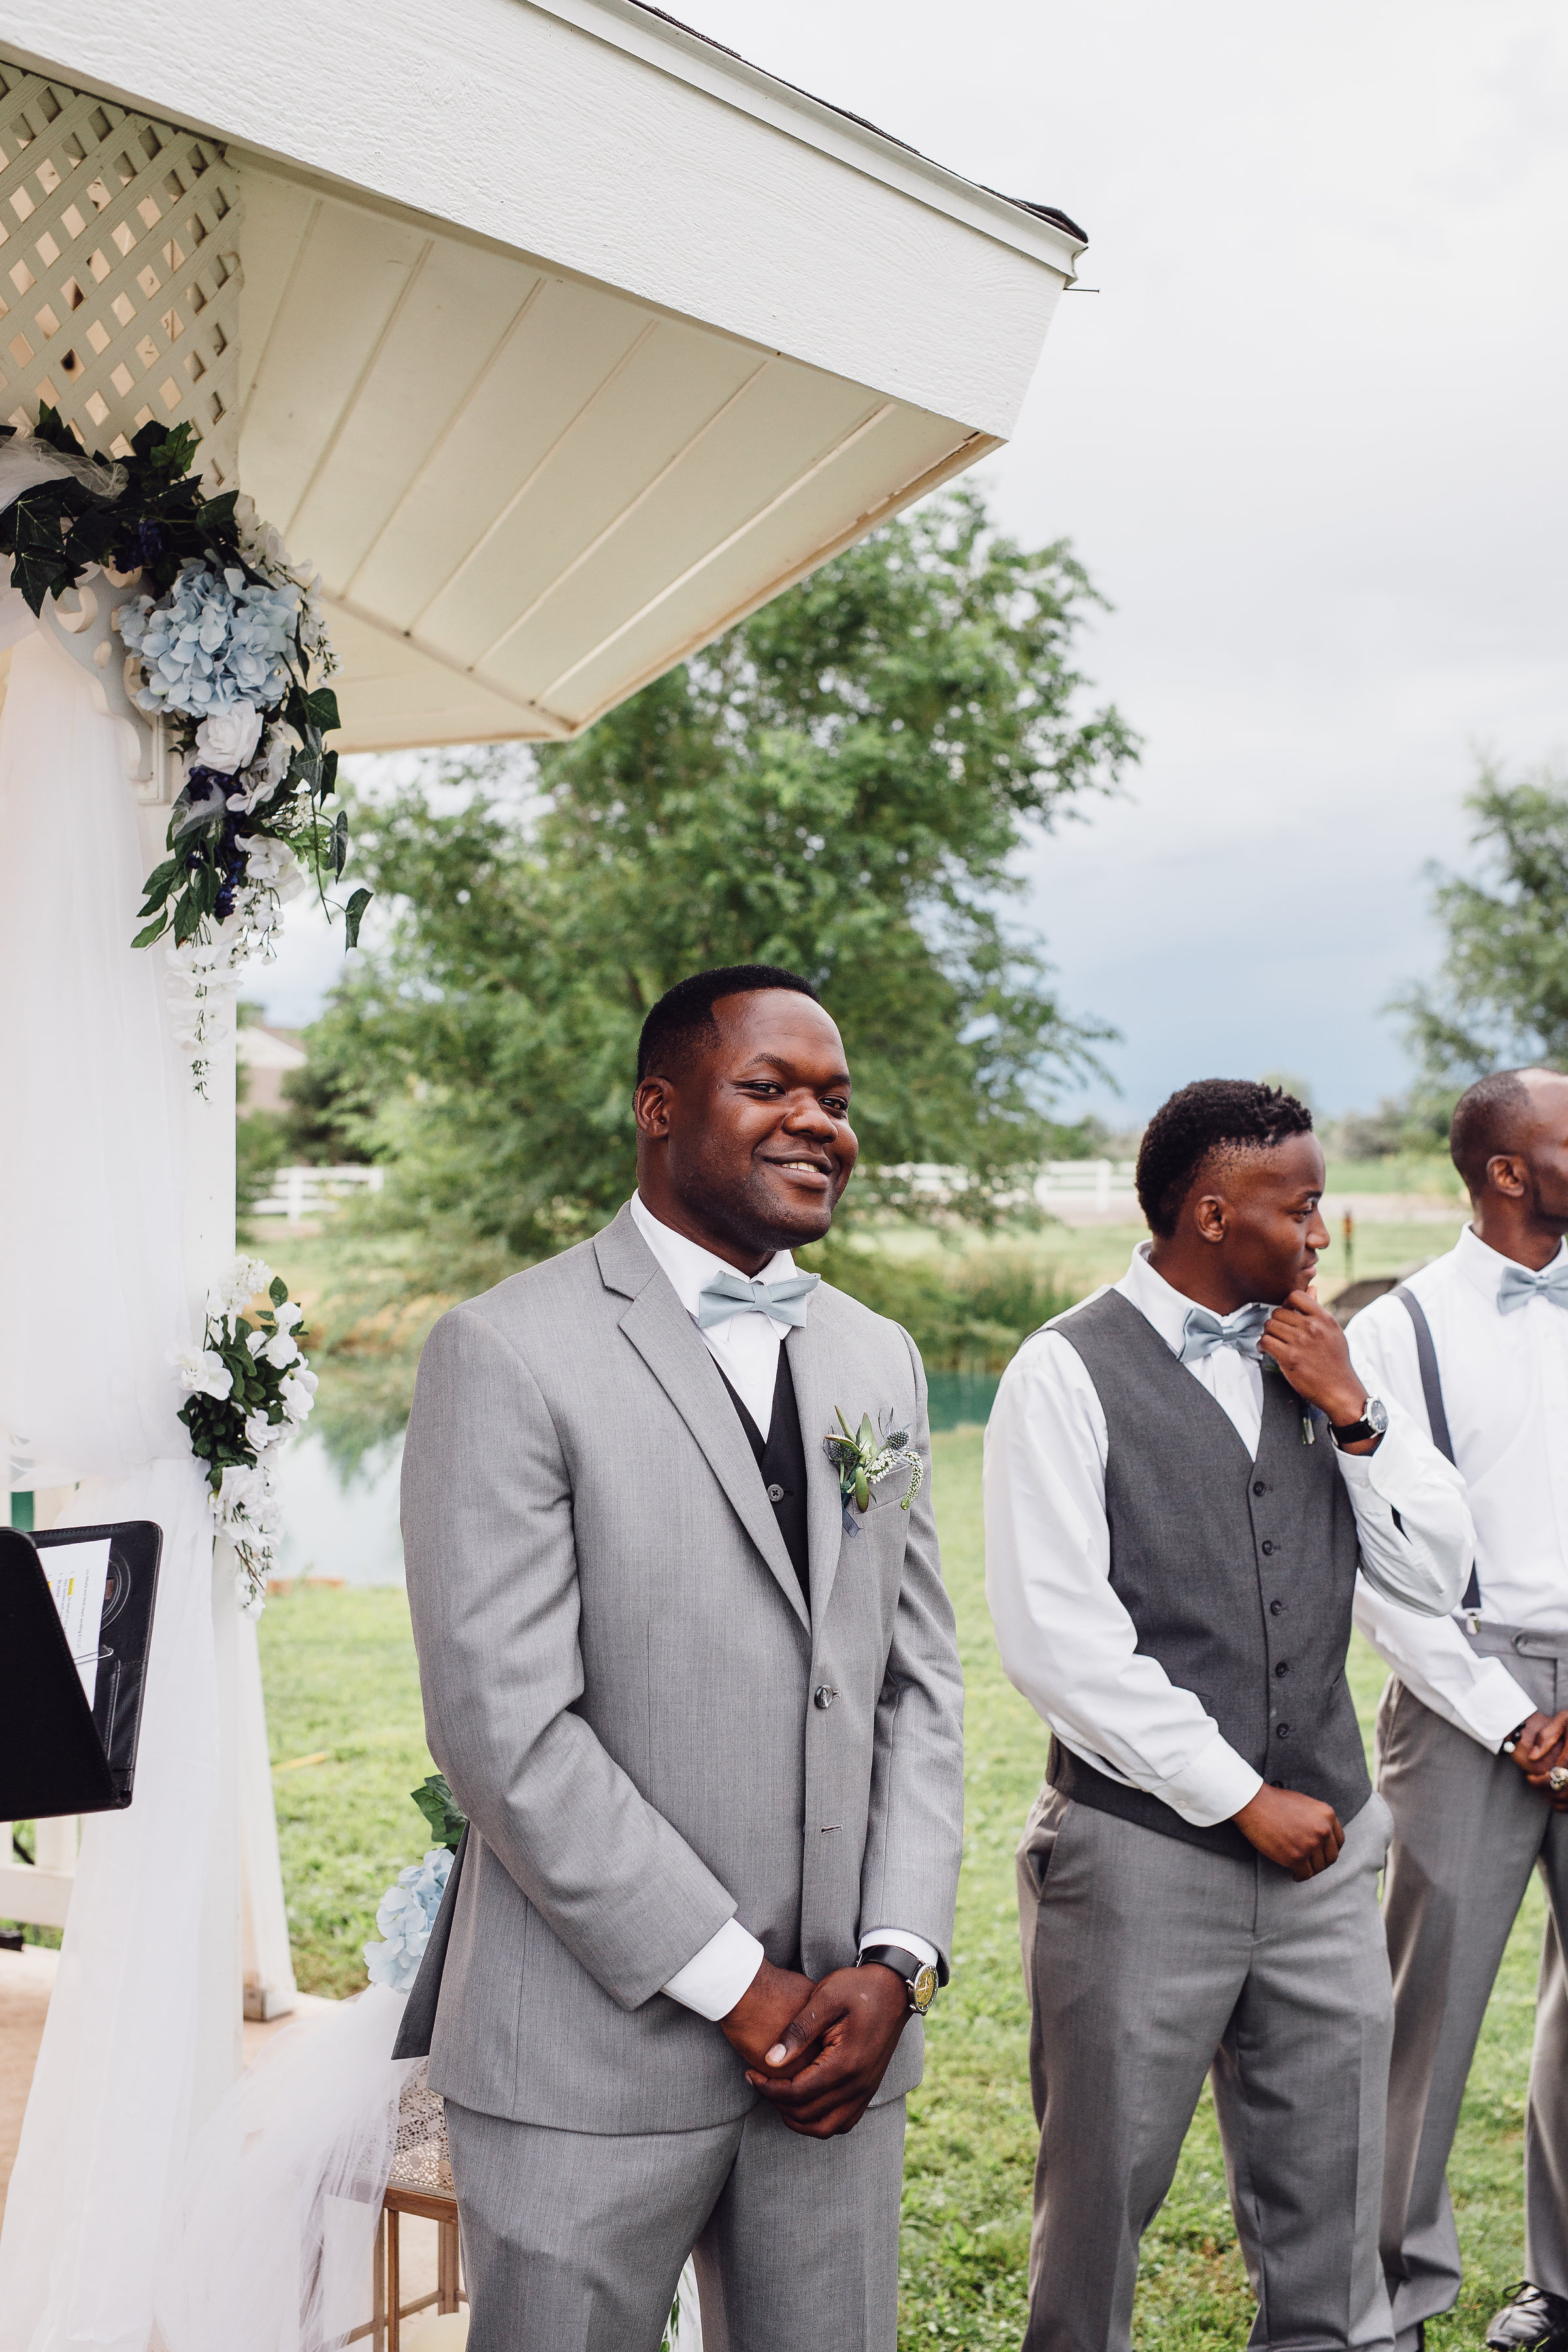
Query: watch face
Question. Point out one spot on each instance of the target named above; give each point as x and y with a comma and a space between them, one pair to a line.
1375, 1415
922, 1989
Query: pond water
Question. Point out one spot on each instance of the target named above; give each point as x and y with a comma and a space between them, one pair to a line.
341, 1520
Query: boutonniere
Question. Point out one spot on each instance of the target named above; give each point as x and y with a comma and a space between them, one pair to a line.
864, 1458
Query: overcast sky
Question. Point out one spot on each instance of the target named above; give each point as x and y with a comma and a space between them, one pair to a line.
1308, 439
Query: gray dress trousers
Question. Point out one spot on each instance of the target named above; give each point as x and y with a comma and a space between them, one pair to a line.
1152, 1963
1468, 1831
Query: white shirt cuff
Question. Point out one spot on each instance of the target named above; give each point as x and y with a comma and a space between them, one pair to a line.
1213, 1786
925, 1953
1495, 1705
714, 1979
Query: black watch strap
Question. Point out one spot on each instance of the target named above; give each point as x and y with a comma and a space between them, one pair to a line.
918, 1975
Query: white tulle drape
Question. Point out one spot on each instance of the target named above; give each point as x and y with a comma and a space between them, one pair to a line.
268, 2247
93, 1298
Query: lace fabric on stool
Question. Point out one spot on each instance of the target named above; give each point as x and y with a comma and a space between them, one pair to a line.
422, 2157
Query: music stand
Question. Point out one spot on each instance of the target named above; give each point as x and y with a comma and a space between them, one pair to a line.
57, 1754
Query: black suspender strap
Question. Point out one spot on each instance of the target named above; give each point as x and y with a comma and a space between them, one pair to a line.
1437, 1417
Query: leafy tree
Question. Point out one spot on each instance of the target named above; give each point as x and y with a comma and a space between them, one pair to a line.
840, 785
1502, 999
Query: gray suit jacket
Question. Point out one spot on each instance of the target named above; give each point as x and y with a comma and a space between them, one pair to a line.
619, 1672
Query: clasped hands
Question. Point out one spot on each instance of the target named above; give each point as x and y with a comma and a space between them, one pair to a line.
1542, 1745
818, 2051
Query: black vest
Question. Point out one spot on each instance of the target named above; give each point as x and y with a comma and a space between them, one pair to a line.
781, 1461
1237, 1575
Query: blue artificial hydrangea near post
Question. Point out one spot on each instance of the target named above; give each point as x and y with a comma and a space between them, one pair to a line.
405, 1914
218, 637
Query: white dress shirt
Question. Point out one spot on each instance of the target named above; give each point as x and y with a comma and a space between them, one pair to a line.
1505, 1394
1065, 1640
745, 1346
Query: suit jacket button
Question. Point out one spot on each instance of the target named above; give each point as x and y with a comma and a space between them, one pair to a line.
1267, 1549
1258, 1487
823, 1696
775, 1494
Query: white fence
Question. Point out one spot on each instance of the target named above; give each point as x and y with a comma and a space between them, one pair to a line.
1084, 1183
40, 1894
299, 1192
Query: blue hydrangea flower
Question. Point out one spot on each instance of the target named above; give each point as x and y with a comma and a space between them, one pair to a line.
405, 1914
217, 638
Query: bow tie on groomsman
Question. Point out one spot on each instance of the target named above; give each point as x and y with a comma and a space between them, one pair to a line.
1204, 1331
728, 1293
1517, 1285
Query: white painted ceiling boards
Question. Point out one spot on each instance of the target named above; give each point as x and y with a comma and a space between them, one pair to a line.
563, 348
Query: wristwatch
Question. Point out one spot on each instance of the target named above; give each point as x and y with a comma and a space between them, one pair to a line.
919, 1975
1372, 1423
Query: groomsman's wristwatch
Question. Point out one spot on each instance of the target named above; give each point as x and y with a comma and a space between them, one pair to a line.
919, 1975
1372, 1423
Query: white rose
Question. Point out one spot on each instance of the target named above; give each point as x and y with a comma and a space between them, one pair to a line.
229, 737
201, 1371
281, 1351
297, 1397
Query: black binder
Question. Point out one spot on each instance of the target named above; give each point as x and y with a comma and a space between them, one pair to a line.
57, 1754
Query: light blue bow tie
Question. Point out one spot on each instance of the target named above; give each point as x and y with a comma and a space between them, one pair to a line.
728, 1293
1518, 1286
1204, 1331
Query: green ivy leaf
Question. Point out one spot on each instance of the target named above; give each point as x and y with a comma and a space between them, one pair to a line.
322, 708
353, 915
279, 1290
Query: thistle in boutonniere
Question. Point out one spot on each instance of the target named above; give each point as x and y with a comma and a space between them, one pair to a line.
865, 1458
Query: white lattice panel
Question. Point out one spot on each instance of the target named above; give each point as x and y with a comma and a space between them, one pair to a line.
119, 270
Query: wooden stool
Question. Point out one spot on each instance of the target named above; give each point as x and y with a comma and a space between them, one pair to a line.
388, 2310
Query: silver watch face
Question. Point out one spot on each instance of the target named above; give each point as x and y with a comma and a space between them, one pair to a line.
1375, 1415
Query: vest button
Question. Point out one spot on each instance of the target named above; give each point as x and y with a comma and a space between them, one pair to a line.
775, 1494
1283, 1732
1258, 1487
1283, 1667
1276, 1608
822, 1697
1267, 1549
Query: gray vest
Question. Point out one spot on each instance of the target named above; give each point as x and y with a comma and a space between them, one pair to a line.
1238, 1575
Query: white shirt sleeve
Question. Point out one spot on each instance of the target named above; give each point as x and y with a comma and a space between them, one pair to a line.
906, 1941
1416, 1539
714, 1979
1066, 1641
1428, 1653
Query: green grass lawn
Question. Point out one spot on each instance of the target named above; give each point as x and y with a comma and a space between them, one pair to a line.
341, 1681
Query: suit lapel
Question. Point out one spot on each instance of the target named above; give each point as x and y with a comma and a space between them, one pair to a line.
670, 1345
826, 1377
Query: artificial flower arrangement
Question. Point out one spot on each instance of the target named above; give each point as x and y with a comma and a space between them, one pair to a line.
407, 1912
231, 648
248, 1388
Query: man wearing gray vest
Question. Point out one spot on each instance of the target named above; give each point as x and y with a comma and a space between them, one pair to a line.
1470, 1728
1181, 1475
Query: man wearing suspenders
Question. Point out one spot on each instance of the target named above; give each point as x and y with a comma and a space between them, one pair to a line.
1472, 1732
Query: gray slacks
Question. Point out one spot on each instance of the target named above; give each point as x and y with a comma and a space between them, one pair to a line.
573, 2241
1468, 1832
1150, 1963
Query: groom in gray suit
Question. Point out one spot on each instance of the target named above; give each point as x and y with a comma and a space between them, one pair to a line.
703, 1713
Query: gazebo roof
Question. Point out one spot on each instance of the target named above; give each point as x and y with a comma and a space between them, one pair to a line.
565, 338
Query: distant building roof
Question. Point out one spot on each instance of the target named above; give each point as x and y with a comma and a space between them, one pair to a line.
260, 1048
